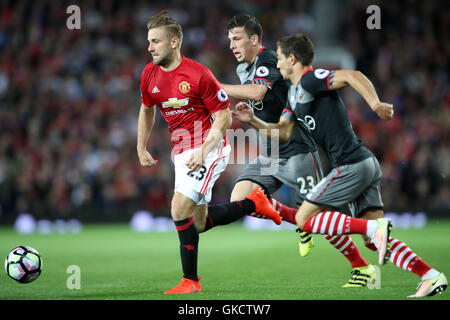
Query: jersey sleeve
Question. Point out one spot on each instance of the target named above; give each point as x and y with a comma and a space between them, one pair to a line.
266, 71
145, 97
317, 80
288, 113
213, 95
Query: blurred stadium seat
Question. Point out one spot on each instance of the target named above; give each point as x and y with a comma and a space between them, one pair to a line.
69, 100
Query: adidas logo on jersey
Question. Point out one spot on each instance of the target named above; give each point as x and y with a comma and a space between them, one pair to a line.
155, 90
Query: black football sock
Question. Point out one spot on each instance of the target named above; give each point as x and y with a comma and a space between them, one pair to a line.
188, 235
222, 214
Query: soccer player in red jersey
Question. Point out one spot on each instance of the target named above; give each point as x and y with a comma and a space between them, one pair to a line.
196, 109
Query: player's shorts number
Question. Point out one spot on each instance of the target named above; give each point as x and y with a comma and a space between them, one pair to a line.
305, 184
199, 175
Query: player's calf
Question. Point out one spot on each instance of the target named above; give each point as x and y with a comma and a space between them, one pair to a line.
336, 223
226, 213
306, 212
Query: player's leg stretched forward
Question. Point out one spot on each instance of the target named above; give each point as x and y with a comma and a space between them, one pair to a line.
432, 281
244, 187
343, 243
376, 234
252, 201
362, 272
315, 219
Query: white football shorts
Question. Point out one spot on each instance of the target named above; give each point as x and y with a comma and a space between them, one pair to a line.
197, 185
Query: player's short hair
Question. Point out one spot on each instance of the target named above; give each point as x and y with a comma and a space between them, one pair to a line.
298, 45
250, 23
162, 19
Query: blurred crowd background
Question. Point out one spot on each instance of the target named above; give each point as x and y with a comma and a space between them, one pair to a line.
69, 99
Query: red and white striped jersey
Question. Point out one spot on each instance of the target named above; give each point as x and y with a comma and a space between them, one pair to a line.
187, 98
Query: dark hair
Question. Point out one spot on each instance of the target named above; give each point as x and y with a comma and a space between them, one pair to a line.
250, 23
162, 19
298, 45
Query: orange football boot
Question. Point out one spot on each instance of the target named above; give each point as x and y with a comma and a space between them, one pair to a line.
263, 206
185, 286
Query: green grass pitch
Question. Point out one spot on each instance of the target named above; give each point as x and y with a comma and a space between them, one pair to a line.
235, 264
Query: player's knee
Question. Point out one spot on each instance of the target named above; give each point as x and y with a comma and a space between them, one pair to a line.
373, 214
305, 213
300, 220
200, 223
177, 212
181, 207
200, 227
241, 190
237, 195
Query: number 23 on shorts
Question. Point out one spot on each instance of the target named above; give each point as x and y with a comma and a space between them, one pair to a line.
199, 174
305, 184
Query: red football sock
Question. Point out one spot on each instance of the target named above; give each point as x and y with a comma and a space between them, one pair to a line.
403, 257
335, 223
286, 213
347, 247
370, 245
344, 244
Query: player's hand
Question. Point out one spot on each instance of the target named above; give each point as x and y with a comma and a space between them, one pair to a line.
384, 110
243, 113
146, 159
195, 161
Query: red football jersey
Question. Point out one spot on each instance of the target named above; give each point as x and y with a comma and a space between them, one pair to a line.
186, 96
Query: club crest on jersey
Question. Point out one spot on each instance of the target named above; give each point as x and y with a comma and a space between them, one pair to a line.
262, 71
175, 103
222, 95
321, 73
184, 87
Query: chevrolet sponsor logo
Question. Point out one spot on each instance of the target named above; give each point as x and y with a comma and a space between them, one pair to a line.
175, 103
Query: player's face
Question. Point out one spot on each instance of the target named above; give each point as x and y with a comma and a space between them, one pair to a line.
283, 64
240, 44
160, 47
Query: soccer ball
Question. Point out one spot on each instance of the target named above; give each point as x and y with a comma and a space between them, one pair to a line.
23, 264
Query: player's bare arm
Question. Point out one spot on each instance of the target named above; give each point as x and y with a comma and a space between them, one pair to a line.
283, 129
146, 120
358, 81
221, 123
250, 91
